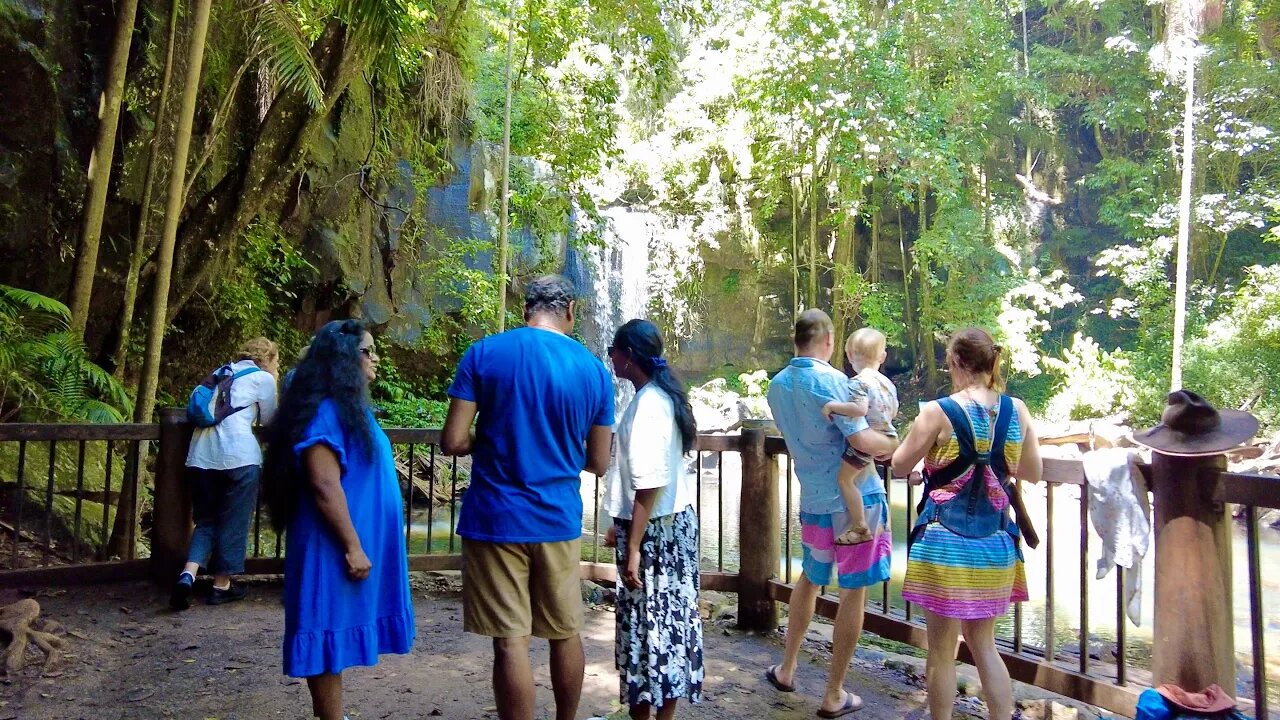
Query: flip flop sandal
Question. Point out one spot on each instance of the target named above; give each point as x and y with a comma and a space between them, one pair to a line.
772, 676
860, 542
848, 708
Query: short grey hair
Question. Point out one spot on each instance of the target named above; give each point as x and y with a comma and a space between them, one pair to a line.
548, 293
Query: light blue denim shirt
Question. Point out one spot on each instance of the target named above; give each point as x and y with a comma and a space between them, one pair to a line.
796, 397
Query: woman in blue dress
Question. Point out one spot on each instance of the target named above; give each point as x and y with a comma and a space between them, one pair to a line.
331, 483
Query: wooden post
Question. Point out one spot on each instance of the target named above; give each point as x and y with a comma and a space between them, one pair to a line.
171, 532
1193, 628
758, 540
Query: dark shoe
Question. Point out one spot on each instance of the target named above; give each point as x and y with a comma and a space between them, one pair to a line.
180, 598
231, 594
772, 676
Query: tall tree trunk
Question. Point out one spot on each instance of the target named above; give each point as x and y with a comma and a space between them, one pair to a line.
795, 249
845, 264
500, 272
144, 406
928, 348
813, 227
1184, 226
1181, 48
873, 259
121, 354
100, 169
907, 301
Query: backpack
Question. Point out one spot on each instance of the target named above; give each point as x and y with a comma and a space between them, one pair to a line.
970, 513
210, 401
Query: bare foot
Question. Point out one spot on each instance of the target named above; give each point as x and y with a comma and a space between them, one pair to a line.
855, 536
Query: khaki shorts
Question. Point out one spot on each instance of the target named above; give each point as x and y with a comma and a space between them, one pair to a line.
520, 589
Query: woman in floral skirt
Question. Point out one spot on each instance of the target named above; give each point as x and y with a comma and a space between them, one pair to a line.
655, 531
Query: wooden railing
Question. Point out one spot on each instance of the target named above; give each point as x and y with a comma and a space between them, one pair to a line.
1193, 637
1193, 644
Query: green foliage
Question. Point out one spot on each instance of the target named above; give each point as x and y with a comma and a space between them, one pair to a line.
967, 276
1234, 360
286, 51
257, 296
464, 290
45, 375
878, 306
401, 401
1091, 382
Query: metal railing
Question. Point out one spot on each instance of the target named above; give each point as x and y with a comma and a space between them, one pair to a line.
60, 487
85, 472
91, 465
1253, 492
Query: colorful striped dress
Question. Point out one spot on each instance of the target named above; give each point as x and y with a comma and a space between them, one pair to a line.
961, 577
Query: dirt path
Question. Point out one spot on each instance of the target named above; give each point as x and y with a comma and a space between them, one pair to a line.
131, 658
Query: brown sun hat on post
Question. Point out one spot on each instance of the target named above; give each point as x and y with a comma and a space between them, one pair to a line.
1191, 427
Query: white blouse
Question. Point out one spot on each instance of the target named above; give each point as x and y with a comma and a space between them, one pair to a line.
650, 454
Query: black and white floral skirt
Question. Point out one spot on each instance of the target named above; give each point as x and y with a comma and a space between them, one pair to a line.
659, 641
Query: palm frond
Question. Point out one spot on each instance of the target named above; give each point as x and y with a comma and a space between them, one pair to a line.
106, 386
34, 301
286, 50
381, 27
96, 411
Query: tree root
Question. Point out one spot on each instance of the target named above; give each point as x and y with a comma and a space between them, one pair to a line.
16, 622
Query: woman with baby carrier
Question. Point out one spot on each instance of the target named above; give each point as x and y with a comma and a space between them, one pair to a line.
964, 565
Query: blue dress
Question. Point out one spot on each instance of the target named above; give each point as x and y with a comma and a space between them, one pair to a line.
331, 621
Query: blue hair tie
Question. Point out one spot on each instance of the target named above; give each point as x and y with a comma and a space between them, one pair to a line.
659, 363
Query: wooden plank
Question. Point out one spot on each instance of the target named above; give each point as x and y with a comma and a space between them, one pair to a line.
434, 563
1098, 691
82, 574
264, 566
1063, 471
775, 445
39, 432
423, 436
719, 443
712, 581
1247, 489
417, 563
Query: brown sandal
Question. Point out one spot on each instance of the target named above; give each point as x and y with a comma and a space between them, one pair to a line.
855, 536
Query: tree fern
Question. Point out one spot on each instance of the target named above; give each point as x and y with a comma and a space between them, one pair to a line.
45, 372
382, 29
286, 51
33, 301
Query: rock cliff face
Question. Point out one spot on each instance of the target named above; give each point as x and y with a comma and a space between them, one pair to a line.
51, 65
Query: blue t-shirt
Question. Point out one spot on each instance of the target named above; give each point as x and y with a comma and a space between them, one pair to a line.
538, 393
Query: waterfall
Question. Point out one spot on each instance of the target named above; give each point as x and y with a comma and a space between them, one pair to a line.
615, 276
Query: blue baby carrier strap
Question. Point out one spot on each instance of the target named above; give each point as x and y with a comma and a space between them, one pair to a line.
970, 513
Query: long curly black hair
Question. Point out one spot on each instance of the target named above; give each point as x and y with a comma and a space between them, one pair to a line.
642, 342
331, 370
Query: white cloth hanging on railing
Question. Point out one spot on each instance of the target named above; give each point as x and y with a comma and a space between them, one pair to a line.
1121, 515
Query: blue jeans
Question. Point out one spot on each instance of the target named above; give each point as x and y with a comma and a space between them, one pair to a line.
222, 504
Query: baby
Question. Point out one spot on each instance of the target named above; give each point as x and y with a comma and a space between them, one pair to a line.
872, 395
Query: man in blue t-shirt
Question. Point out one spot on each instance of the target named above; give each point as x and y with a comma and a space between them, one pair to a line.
543, 406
